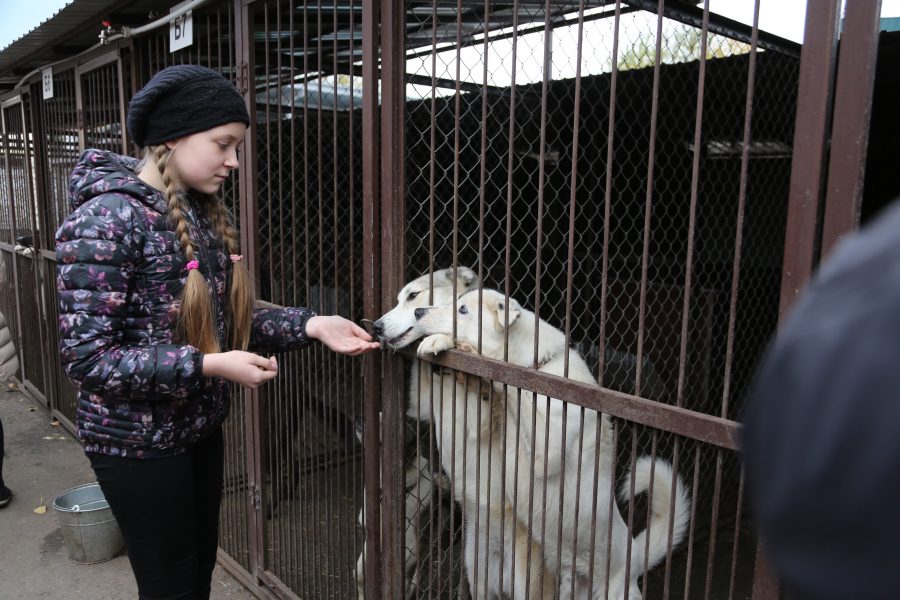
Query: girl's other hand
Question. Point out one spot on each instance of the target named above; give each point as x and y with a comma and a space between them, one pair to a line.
340, 335
245, 368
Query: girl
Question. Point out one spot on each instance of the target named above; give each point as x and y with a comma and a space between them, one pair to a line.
156, 321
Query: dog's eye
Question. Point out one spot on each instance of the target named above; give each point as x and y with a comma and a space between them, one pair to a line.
412, 296
463, 310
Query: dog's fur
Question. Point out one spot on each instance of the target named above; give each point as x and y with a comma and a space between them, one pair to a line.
562, 471
501, 559
473, 433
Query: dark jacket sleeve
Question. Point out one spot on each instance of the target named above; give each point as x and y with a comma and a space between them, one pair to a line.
98, 248
279, 329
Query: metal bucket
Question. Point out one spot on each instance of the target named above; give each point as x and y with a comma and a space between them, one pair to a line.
91, 532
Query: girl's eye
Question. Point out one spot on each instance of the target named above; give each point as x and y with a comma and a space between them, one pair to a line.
463, 310
412, 296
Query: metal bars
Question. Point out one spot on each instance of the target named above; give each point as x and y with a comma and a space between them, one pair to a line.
623, 170
646, 261
25, 231
308, 211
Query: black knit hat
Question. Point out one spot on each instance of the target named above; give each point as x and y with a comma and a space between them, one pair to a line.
181, 100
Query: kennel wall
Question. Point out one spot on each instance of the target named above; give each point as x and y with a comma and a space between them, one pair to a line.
625, 170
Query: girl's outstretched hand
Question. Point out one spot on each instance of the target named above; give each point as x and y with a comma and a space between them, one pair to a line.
340, 335
248, 369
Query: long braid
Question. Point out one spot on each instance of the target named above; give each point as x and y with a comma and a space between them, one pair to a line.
241, 292
196, 320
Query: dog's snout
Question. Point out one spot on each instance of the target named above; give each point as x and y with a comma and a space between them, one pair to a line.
377, 328
419, 312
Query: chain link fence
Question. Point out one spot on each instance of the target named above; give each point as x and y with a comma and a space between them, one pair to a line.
621, 175
625, 177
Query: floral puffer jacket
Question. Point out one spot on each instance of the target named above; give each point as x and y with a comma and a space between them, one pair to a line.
120, 273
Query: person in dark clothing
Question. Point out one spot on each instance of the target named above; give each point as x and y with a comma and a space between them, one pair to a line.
820, 438
157, 321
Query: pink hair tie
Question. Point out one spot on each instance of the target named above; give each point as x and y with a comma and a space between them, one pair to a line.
235, 257
192, 265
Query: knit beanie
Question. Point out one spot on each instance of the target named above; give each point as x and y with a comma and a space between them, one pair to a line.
181, 100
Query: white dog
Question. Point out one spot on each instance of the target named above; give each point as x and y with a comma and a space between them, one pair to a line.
500, 557
399, 327
561, 471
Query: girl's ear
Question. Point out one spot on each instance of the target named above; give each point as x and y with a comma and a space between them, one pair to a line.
171, 144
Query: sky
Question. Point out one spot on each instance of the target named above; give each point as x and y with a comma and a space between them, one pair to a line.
781, 17
21, 16
785, 18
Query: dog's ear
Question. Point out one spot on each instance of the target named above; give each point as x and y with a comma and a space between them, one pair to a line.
501, 312
467, 276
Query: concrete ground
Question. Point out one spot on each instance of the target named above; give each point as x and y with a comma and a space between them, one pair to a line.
41, 461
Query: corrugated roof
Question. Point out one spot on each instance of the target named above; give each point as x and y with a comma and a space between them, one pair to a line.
71, 30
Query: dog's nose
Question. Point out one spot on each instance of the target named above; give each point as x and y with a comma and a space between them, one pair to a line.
378, 328
419, 312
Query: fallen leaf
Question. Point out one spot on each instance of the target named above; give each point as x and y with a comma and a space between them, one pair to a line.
41, 509
54, 423
31, 409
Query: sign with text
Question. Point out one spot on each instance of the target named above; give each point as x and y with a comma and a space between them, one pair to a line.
181, 30
47, 82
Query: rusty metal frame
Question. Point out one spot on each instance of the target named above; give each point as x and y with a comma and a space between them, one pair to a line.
723, 433
852, 113
36, 243
4, 146
393, 190
249, 217
20, 101
87, 67
373, 302
41, 243
814, 102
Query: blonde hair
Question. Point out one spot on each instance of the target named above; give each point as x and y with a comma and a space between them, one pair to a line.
196, 320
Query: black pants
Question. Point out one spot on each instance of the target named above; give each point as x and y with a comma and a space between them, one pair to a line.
168, 511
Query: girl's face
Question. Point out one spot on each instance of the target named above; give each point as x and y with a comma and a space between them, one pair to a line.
203, 160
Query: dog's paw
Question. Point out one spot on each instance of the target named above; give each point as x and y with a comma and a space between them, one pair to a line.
466, 347
435, 344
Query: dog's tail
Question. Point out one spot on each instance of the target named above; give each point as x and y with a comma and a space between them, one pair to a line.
665, 512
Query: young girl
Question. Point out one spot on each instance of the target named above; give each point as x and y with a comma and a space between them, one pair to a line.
156, 320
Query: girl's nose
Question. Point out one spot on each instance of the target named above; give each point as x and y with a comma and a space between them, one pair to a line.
232, 161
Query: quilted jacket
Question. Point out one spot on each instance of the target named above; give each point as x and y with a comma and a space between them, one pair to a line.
120, 273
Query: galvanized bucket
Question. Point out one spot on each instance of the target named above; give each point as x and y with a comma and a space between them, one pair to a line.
91, 532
